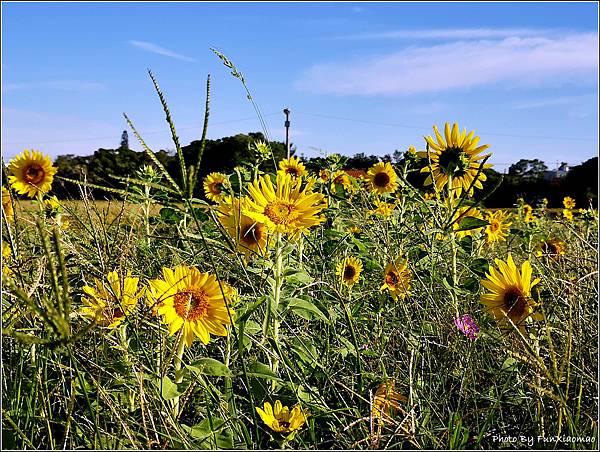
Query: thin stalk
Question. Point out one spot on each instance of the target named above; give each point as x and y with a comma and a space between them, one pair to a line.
278, 276
178, 373
454, 249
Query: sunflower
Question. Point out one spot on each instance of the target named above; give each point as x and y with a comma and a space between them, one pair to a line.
568, 214
280, 419
528, 213
568, 202
428, 196
460, 214
551, 248
189, 299
293, 167
456, 157
285, 207
354, 230
324, 175
509, 295
349, 270
32, 173
110, 301
214, 184
386, 402
7, 204
396, 279
341, 178
6, 253
249, 236
498, 226
51, 204
384, 209
382, 178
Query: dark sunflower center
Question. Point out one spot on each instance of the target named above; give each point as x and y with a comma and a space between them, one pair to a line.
515, 302
381, 180
349, 272
454, 161
292, 170
251, 234
549, 248
34, 174
191, 304
217, 188
111, 314
494, 225
391, 279
284, 424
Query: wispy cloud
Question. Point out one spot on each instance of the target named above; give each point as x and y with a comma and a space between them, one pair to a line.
61, 85
149, 47
460, 65
452, 33
552, 102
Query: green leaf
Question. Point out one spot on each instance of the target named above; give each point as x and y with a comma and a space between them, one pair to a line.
169, 215
305, 309
297, 277
471, 284
207, 436
260, 370
466, 243
480, 267
210, 366
167, 388
468, 223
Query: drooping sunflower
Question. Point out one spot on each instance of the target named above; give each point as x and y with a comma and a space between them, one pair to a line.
286, 207
214, 184
280, 419
498, 227
397, 278
382, 178
293, 167
386, 402
349, 270
568, 202
509, 295
7, 204
456, 157
551, 248
189, 299
32, 173
250, 237
109, 302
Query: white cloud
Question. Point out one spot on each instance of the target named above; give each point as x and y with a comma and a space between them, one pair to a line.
459, 65
451, 33
61, 85
149, 47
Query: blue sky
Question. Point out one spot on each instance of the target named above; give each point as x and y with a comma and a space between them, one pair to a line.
358, 77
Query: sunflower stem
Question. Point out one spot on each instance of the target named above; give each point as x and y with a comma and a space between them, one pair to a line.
278, 276
454, 249
178, 373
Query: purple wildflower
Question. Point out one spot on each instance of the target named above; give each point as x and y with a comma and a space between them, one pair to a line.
467, 326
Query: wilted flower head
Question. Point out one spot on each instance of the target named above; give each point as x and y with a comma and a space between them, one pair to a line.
467, 326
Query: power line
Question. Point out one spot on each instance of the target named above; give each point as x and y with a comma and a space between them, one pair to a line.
404, 126
141, 133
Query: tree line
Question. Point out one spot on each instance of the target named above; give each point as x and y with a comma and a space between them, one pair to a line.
525, 178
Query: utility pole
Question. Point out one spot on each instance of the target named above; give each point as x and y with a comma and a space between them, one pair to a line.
287, 131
